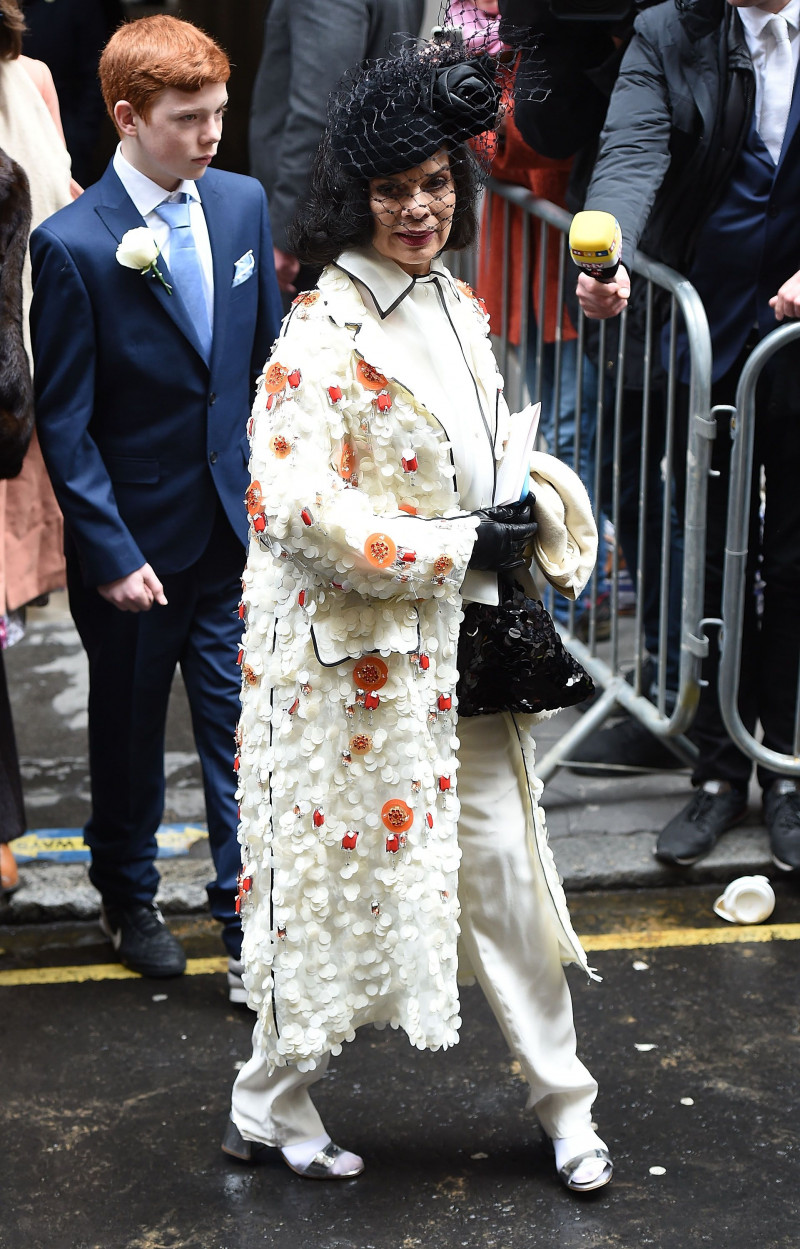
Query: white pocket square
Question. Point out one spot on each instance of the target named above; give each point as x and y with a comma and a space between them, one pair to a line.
244, 268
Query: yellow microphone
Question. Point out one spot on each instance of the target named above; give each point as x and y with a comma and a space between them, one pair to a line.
595, 244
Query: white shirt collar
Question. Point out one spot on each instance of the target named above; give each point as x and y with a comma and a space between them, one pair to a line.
145, 193
386, 282
755, 20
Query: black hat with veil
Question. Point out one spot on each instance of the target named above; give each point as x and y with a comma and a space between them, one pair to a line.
391, 115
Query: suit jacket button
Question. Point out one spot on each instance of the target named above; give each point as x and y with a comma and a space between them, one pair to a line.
213, 457
212, 399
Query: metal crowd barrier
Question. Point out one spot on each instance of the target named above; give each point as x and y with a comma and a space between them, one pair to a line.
618, 663
734, 586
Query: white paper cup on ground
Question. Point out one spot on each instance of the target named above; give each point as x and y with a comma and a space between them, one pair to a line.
747, 900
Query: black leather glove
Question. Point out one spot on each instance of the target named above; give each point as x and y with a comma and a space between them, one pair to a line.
502, 536
519, 513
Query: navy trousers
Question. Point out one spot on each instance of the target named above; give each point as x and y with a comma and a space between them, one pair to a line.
132, 661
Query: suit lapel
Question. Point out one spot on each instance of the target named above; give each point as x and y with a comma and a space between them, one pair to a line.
119, 214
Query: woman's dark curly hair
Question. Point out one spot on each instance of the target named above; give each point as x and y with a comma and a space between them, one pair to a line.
337, 215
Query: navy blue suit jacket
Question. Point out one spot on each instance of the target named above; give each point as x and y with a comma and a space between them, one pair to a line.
140, 433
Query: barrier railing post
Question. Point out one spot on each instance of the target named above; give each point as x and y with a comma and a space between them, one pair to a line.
734, 586
669, 725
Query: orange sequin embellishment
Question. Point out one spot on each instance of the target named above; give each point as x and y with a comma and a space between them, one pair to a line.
380, 550
442, 565
275, 378
361, 744
280, 446
370, 674
397, 815
347, 461
307, 299
254, 498
369, 376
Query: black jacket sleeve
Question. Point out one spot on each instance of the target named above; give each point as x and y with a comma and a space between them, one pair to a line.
634, 153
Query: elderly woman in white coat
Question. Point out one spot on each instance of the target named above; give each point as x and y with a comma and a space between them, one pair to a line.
384, 839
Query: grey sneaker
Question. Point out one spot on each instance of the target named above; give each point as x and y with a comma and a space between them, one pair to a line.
714, 808
782, 818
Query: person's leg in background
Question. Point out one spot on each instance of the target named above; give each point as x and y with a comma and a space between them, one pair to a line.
628, 744
722, 773
557, 426
778, 450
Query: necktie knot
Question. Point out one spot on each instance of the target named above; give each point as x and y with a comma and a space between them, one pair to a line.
175, 211
779, 28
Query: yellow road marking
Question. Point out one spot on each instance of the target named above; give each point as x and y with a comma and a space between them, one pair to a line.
662, 939
649, 939
99, 971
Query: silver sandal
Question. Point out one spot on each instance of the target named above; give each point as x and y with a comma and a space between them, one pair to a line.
319, 1168
566, 1172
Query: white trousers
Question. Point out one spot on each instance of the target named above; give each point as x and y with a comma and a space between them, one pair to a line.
508, 937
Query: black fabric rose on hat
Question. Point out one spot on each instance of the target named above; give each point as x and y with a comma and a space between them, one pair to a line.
392, 114
466, 93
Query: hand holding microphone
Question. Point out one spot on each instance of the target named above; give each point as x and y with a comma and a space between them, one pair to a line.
595, 245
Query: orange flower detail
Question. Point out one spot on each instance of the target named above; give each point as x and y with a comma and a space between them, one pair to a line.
361, 744
347, 461
254, 498
370, 674
275, 378
380, 550
250, 675
280, 446
307, 299
397, 815
442, 565
369, 376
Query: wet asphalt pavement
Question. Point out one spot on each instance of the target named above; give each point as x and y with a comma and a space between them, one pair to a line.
115, 1094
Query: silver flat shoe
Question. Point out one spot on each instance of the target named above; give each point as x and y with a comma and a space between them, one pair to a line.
568, 1170
319, 1168
321, 1165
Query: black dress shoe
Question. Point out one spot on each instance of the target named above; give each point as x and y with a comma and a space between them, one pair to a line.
624, 747
694, 831
142, 940
782, 818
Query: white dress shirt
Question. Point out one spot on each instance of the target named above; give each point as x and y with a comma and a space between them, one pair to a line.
773, 94
147, 195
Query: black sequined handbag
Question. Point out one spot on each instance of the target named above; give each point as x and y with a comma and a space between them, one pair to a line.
510, 658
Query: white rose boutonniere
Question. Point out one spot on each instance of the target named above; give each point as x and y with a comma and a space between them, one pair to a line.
138, 249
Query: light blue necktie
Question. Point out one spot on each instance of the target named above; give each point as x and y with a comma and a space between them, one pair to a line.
184, 265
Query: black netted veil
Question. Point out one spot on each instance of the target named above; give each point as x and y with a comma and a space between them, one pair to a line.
392, 114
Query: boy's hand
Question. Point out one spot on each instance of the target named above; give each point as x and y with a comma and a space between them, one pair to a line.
136, 592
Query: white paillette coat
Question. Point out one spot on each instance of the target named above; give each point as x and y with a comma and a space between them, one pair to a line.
347, 744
